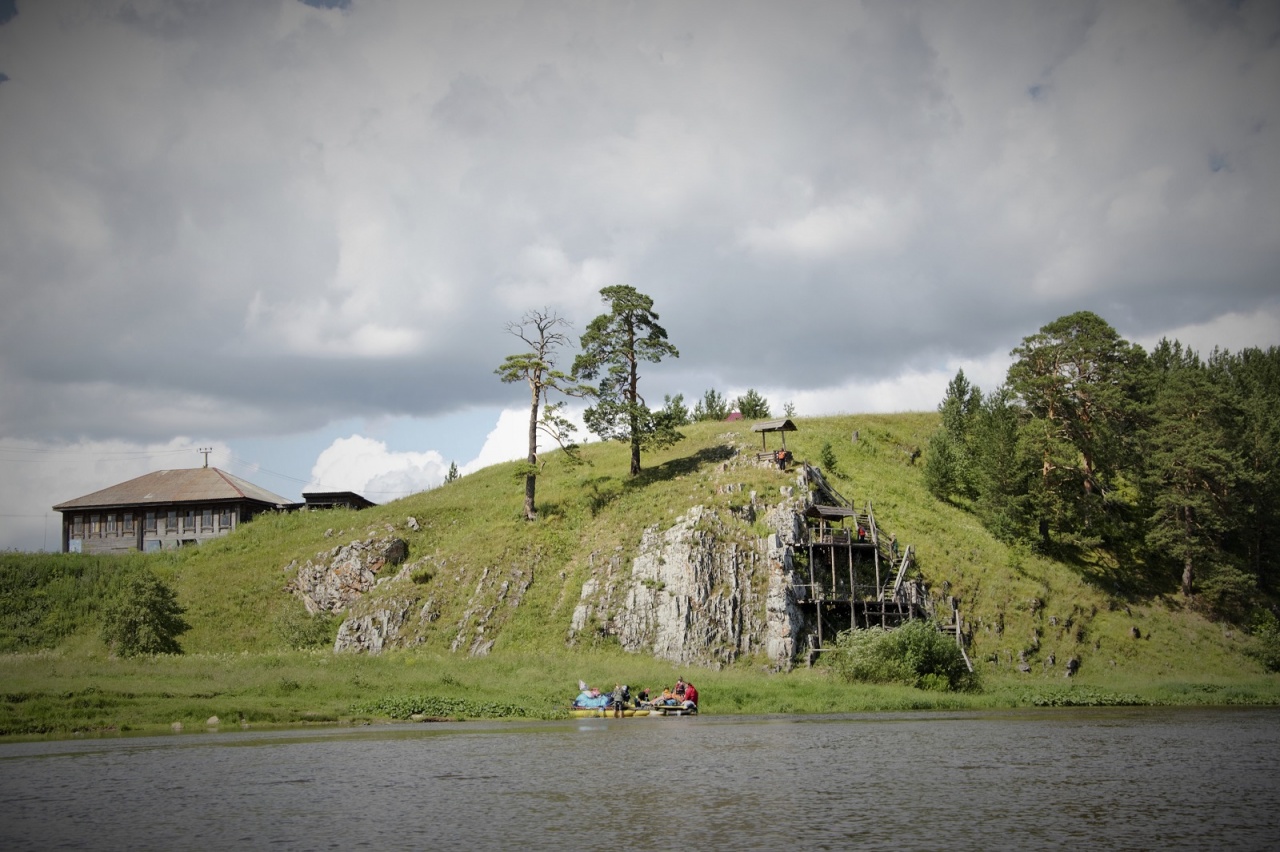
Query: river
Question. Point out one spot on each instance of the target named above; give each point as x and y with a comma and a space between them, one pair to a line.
1167, 778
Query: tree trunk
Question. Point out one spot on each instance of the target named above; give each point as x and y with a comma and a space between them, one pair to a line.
633, 397
1188, 570
531, 478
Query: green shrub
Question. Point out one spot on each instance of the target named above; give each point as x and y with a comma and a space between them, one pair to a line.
915, 654
144, 618
1266, 635
827, 458
300, 630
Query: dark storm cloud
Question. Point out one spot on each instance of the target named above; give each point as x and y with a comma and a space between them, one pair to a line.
256, 218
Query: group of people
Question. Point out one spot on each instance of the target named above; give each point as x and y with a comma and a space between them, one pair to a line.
683, 694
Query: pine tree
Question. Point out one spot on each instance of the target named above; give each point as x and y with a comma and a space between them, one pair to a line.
541, 330
1189, 470
612, 348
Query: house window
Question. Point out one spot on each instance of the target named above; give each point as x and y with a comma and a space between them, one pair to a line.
171, 521
111, 524
128, 523
224, 521
77, 526
206, 520
151, 522
95, 525
189, 521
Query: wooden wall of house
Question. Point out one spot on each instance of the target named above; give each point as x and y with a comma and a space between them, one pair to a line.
104, 532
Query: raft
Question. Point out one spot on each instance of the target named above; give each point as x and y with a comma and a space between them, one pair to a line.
673, 710
604, 712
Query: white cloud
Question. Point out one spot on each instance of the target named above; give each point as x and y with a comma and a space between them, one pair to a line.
865, 225
367, 467
1231, 332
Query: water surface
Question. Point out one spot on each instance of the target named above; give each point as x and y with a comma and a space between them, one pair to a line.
1112, 779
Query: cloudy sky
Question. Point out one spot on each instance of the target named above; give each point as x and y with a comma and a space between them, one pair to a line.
293, 232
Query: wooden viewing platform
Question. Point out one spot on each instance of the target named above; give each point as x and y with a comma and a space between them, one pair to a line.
853, 576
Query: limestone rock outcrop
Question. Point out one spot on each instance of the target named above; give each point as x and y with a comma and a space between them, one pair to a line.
712, 588
701, 591
337, 578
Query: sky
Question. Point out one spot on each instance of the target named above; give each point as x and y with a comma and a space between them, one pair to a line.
293, 233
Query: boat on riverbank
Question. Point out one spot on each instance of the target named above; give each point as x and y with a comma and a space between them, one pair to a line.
605, 712
655, 710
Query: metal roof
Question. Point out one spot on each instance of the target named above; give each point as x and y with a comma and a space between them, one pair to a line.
191, 485
783, 425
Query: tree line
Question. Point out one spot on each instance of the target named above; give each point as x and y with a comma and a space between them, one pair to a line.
607, 372
1166, 461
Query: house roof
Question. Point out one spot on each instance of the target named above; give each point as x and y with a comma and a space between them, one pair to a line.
190, 485
325, 498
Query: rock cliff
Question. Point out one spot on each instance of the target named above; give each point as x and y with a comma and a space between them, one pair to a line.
712, 587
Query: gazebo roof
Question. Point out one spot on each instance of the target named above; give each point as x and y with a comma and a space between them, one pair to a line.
783, 425
829, 513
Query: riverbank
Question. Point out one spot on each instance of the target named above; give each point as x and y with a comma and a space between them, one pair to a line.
52, 694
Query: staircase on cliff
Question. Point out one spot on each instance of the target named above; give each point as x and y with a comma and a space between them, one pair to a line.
853, 574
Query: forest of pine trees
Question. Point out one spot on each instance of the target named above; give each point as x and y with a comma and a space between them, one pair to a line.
1162, 465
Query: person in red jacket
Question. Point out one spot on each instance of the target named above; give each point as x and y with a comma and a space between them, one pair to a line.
690, 695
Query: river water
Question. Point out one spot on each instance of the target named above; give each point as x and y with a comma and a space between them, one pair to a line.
1171, 778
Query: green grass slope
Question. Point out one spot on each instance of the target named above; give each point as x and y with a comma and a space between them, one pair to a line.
1020, 607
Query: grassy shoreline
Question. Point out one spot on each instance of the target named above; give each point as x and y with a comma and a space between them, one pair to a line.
52, 695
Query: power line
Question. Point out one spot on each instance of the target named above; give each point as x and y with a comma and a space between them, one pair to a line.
69, 451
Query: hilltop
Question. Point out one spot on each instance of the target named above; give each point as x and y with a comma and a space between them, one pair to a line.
472, 563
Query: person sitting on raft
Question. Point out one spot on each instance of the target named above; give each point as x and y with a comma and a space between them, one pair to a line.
690, 697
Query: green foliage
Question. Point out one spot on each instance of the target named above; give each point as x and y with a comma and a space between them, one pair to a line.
612, 348
143, 618
950, 467
712, 406
752, 406
452, 475
300, 630
1078, 383
45, 598
1079, 697
541, 331
1266, 634
827, 458
437, 707
1097, 453
915, 654
675, 411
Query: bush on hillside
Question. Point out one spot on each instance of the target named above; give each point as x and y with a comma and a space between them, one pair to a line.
1266, 635
915, 654
300, 630
144, 618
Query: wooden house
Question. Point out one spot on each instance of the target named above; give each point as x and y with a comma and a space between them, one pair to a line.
163, 510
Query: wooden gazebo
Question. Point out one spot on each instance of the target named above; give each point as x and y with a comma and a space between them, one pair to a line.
782, 426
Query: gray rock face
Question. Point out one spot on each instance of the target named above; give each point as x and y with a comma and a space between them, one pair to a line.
373, 632
337, 578
699, 592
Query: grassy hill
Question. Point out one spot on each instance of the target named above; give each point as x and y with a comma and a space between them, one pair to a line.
239, 656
